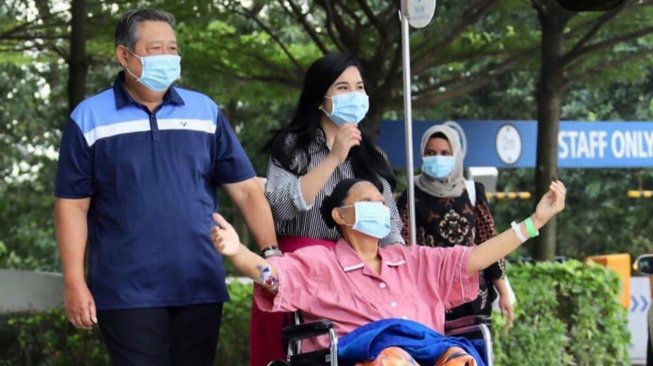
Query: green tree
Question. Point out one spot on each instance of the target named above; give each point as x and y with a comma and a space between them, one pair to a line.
271, 43
476, 60
570, 53
28, 138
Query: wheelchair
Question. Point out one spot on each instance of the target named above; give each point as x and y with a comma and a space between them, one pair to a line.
474, 327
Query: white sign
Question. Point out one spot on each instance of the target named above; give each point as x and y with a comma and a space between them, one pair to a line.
640, 303
508, 144
418, 12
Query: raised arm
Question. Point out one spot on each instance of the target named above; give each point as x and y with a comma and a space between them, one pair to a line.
503, 244
226, 242
290, 194
347, 136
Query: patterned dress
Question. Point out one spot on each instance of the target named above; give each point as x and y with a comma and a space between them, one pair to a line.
445, 222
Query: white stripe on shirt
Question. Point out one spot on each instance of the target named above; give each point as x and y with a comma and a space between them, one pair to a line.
141, 125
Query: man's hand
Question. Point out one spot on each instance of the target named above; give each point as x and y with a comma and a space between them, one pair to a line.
224, 237
79, 306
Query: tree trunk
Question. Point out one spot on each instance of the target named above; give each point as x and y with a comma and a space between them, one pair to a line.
77, 63
550, 89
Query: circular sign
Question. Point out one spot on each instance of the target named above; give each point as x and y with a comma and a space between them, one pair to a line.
418, 12
508, 144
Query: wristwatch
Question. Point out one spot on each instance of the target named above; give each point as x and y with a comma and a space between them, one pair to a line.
271, 251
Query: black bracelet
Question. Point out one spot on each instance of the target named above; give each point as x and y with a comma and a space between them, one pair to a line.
271, 251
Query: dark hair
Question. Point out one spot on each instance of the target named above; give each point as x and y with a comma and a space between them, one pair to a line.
289, 145
439, 135
127, 28
337, 199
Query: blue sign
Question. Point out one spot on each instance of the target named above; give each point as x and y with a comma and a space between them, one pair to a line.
512, 144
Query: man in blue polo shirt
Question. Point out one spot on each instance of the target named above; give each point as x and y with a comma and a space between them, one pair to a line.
138, 169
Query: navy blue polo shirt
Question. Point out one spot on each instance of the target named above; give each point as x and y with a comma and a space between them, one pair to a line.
152, 181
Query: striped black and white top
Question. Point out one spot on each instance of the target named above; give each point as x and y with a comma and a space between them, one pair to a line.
295, 217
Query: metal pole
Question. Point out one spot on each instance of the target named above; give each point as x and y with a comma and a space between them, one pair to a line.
408, 125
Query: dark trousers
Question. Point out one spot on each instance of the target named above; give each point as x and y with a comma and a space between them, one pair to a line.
167, 336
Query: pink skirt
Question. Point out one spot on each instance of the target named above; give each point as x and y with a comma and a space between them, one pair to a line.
265, 330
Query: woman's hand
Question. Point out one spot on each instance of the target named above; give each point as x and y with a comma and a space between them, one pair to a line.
347, 137
224, 237
507, 311
550, 204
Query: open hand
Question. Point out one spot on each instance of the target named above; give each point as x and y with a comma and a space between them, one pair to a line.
224, 237
551, 203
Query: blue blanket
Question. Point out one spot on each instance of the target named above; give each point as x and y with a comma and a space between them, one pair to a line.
424, 344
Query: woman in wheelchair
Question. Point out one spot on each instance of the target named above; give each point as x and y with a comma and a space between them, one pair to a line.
357, 282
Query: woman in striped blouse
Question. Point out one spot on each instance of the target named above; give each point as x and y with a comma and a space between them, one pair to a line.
324, 143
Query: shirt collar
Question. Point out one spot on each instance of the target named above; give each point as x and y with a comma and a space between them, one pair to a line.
391, 256
123, 98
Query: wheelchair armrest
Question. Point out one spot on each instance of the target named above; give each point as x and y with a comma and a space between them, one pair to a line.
293, 333
467, 321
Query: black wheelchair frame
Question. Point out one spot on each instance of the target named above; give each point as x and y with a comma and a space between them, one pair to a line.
471, 327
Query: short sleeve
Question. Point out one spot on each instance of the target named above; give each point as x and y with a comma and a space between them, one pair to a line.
75, 167
446, 270
231, 162
297, 277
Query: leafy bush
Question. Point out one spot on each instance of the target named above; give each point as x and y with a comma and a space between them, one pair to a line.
47, 338
566, 314
233, 348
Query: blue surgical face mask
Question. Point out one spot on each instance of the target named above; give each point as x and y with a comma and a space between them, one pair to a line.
438, 166
372, 218
348, 107
159, 71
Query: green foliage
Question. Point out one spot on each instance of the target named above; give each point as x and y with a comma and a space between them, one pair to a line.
566, 314
47, 338
233, 348
28, 135
251, 56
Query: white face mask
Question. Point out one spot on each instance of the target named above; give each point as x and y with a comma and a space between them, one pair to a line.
159, 71
348, 107
372, 218
438, 166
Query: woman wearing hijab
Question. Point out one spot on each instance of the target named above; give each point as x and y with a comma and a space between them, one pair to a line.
445, 216
357, 283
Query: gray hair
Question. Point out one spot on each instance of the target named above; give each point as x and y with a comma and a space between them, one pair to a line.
127, 28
